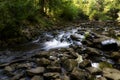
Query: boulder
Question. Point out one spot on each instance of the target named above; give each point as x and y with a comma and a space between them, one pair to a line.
78, 74
92, 51
106, 44
70, 64
112, 74
115, 55
85, 63
95, 71
43, 62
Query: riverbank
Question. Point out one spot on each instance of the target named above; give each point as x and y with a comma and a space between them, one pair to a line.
31, 32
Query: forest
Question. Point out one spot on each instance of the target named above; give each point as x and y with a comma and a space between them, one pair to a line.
17, 15
59, 39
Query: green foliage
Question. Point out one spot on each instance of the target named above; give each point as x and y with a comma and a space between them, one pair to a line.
12, 15
70, 11
15, 13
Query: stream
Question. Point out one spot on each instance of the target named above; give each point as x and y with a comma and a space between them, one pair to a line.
65, 38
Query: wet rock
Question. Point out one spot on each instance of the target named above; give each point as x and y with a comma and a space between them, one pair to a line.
85, 63
43, 62
25, 65
72, 52
70, 64
112, 74
110, 44
106, 44
95, 71
65, 77
115, 55
77, 37
53, 69
92, 51
42, 54
101, 78
105, 64
53, 58
36, 70
8, 68
17, 76
22, 79
78, 74
37, 78
51, 75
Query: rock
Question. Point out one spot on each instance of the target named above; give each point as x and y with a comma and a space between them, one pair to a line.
104, 65
22, 79
92, 51
25, 65
70, 64
51, 75
43, 62
36, 70
112, 74
53, 69
95, 71
17, 76
115, 55
37, 78
101, 78
53, 58
78, 74
79, 59
65, 77
85, 63
8, 68
42, 54
110, 44
106, 44
77, 37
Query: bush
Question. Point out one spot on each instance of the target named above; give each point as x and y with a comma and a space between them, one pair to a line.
12, 15
69, 12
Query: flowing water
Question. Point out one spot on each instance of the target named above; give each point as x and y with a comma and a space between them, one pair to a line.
50, 40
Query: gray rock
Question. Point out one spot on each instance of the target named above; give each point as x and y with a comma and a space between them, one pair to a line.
101, 78
92, 51
85, 63
43, 62
112, 74
70, 64
78, 74
17, 76
115, 55
106, 43
51, 75
65, 77
36, 70
42, 54
37, 78
95, 71
53, 69
8, 68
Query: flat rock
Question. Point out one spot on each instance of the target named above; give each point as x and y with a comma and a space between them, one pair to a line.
94, 70
36, 70
53, 69
51, 75
37, 78
112, 74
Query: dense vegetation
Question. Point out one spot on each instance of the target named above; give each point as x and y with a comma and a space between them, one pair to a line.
17, 14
